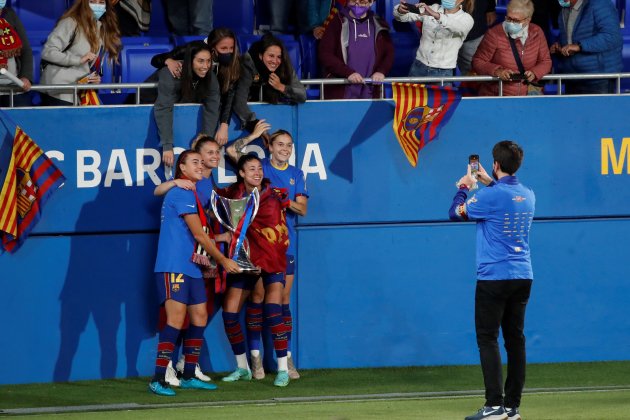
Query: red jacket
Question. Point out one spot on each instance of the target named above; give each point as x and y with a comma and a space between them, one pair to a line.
333, 57
495, 52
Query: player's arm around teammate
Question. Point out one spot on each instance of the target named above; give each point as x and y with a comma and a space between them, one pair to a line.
179, 281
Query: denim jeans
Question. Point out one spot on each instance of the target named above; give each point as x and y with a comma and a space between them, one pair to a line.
419, 69
190, 17
500, 304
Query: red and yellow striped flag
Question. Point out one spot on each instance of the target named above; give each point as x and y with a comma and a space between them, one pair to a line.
334, 9
27, 178
89, 97
421, 111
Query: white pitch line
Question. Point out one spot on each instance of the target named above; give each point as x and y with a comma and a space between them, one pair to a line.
306, 400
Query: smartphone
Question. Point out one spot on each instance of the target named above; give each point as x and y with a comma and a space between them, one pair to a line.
413, 8
518, 76
473, 161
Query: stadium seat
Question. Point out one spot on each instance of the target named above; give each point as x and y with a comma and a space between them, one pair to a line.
310, 62
238, 15
292, 46
405, 45
159, 23
183, 40
136, 56
39, 15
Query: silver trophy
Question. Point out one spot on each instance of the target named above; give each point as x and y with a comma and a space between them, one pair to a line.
237, 215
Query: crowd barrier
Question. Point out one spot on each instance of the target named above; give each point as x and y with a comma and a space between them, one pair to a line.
383, 278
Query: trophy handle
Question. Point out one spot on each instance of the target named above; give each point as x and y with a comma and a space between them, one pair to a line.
255, 195
213, 202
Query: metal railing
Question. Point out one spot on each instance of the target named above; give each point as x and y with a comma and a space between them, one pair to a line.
128, 88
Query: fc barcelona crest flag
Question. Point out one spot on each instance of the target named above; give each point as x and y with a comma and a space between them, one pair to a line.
27, 179
421, 111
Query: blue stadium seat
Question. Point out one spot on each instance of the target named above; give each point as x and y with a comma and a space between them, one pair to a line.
183, 40
292, 46
136, 56
405, 46
159, 24
39, 15
310, 62
238, 15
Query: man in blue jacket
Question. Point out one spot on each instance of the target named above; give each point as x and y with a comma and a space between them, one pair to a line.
590, 42
504, 211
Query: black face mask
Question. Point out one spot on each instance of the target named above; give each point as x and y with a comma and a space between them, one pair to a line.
225, 59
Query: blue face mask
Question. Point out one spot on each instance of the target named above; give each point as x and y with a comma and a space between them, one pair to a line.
448, 4
564, 3
98, 10
512, 28
3, 3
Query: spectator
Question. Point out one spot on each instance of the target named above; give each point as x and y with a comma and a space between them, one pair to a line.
356, 45
444, 28
286, 12
197, 84
266, 66
226, 64
484, 15
190, 17
590, 42
495, 56
16, 55
134, 16
79, 41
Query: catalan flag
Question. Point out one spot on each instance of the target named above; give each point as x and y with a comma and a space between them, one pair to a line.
27, 179
421, 111
90, 97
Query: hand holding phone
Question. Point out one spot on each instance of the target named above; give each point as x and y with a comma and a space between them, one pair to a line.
473, 161
517, 77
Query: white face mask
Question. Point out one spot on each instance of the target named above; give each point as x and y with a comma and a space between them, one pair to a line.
97, 9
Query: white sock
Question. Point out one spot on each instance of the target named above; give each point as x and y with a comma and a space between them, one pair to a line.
283, 364
288, 353
255, 353
241, 361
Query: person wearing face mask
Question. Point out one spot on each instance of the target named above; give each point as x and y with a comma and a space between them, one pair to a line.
197, 84
590, 42
444, 29
495, 56
16, 56
356, 45
226, 64
504, 274
267, 75
77, 45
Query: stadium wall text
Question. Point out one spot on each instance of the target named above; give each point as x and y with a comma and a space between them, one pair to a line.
383, 278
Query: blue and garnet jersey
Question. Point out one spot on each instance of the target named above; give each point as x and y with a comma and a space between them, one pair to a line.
291, 179
504, 212
176, 243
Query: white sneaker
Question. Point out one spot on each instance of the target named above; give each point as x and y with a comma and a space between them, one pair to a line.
171, 376
198, 373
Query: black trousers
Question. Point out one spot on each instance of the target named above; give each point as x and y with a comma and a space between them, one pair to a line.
501, 304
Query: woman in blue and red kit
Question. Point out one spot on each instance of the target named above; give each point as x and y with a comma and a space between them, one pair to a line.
180, 284
281, 174
268, 240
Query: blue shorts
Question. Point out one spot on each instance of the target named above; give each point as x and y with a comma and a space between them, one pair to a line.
290, 265
248, 281
181, 288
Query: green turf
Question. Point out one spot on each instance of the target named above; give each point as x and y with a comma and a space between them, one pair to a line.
313, 383
584, 405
